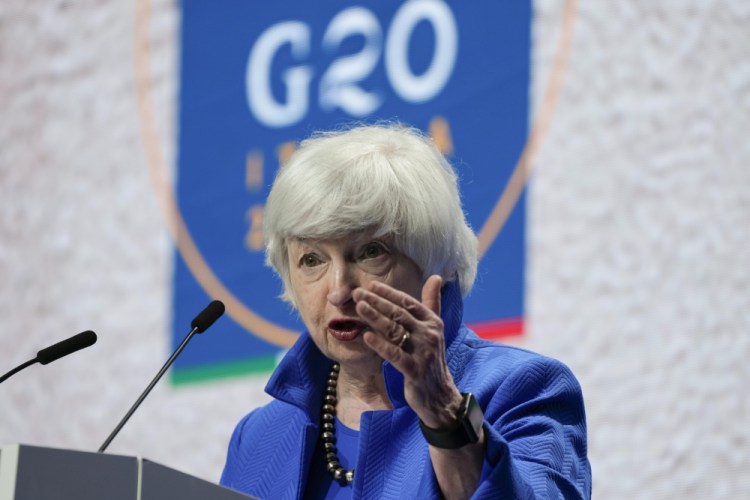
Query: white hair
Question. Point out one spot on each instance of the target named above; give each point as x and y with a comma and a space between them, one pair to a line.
389, 179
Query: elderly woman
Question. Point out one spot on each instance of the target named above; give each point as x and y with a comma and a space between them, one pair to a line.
387, 394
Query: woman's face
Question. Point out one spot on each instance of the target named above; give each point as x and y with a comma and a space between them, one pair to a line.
323, 275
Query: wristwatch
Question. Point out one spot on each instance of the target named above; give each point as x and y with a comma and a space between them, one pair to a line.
467, 430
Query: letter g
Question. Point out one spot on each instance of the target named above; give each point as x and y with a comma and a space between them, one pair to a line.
296, 79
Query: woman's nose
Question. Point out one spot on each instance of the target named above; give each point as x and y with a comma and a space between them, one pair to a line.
343, 283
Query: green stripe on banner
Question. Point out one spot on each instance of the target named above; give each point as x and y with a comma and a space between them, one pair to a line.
205, 373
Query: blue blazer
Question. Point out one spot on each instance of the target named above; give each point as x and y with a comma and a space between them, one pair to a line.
534, 423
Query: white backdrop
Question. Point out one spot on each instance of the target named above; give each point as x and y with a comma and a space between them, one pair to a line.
639, 229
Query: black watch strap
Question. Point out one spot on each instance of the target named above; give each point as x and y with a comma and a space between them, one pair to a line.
467, 431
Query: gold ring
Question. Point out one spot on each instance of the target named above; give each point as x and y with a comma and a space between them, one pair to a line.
404, 338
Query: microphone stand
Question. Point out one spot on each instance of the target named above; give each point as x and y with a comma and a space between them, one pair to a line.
148, 389
18, 369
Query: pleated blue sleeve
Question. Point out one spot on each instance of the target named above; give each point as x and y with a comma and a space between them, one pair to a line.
535, 431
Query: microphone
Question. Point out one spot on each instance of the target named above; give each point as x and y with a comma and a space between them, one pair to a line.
67, 346
57, 351
200, 324
206, 317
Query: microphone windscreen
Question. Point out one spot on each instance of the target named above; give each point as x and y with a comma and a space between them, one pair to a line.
206, 317
65, 347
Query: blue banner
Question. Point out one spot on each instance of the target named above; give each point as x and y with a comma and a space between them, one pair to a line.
257, 77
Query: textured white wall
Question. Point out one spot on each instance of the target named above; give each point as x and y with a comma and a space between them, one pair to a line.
639, 225
639, 272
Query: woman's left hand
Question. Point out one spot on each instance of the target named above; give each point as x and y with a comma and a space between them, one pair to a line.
428, 385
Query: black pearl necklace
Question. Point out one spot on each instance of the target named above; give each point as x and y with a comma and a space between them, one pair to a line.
328, 431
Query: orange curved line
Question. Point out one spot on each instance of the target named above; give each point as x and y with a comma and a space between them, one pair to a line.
540, 125
168, 204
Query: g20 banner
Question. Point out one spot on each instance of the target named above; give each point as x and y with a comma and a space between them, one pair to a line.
257, 77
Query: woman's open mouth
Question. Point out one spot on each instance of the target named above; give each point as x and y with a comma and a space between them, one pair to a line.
345, 329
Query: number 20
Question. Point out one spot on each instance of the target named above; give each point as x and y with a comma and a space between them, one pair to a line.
338, 86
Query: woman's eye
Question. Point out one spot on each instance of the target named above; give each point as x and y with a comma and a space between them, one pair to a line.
373, 251
310, 260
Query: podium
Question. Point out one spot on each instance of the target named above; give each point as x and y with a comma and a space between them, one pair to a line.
39, 473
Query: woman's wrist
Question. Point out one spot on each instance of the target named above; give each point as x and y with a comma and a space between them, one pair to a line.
443, 413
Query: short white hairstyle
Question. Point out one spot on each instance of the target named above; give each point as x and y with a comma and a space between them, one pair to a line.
387, 178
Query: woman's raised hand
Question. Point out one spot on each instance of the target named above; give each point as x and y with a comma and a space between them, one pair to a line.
409, 334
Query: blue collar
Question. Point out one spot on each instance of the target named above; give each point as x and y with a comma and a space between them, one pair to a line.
299, 378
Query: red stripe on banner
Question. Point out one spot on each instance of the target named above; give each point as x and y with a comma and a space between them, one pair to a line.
498, 329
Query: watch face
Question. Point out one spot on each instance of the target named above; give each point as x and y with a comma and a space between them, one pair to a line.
474, 418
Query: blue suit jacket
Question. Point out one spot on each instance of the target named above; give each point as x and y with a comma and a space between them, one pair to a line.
535, 426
